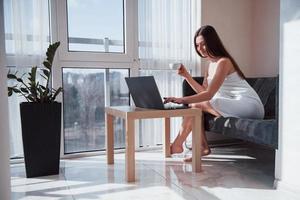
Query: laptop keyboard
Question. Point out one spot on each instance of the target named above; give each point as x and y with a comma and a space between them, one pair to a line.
174, 106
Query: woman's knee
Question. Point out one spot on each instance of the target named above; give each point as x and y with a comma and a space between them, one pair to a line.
195, 105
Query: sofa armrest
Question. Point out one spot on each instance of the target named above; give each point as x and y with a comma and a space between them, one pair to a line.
187, 90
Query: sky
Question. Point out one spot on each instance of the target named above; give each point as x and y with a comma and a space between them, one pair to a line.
96, 19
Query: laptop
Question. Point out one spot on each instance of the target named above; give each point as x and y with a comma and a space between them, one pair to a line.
145, 94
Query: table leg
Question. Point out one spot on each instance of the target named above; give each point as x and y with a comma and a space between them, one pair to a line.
130, 151
166, 138
109, 139
196, 144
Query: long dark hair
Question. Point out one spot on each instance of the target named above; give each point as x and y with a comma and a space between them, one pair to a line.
214, 46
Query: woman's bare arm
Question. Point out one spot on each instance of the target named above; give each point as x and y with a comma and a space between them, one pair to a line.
197, 87
205, 83
223, 69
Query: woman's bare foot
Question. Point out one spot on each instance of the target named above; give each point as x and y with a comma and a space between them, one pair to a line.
176, 148
205, 152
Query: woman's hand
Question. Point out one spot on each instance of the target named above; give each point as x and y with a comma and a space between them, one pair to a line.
173, 100
182, 71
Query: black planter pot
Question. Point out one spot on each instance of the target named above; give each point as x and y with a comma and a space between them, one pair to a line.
41, 127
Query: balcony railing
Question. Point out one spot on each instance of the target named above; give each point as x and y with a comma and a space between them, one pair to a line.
106, 42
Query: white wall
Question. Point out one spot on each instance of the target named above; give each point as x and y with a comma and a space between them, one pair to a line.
265, 45
4, 138
288, 165
232, 20
250, 31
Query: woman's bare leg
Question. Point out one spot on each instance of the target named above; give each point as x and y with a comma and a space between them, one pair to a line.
205, 106
205, 150
184, 131
186, 128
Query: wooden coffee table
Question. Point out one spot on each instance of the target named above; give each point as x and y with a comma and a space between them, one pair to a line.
130, 114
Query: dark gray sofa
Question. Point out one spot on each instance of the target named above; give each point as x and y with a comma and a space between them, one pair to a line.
264, 132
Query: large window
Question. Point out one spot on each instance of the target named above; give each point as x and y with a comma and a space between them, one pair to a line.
86, 93
95, 55
100, 42
96, 26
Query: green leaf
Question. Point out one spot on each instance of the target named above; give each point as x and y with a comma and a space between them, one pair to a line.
33, 72
20, 80
16, 90
46, 72
51, 51
31, 98
11, 76
10, 91
47, 64
24, 90
41, 92
43, 87
56, 93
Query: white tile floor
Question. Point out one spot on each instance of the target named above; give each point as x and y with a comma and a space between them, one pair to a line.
237, 172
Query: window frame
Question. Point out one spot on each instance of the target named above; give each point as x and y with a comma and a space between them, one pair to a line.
130, 24
65, 59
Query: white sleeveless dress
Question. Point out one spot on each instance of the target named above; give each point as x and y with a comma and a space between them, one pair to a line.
236, 98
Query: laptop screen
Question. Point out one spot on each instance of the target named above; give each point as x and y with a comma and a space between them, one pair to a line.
144, 92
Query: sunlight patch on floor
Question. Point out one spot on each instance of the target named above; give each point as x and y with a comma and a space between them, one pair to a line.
45, 185
149, 193
111, 187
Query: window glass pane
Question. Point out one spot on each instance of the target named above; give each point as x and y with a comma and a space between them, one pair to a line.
119, 96
119, 91
96, 25
84, 103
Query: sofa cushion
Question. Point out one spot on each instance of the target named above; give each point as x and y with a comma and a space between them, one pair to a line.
264, 132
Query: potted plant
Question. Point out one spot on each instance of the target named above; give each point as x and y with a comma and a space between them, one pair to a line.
40, 117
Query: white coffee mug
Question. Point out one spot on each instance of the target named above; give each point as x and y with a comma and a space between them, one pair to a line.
174, 66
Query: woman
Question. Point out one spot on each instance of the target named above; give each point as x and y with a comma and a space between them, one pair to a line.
224, 91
